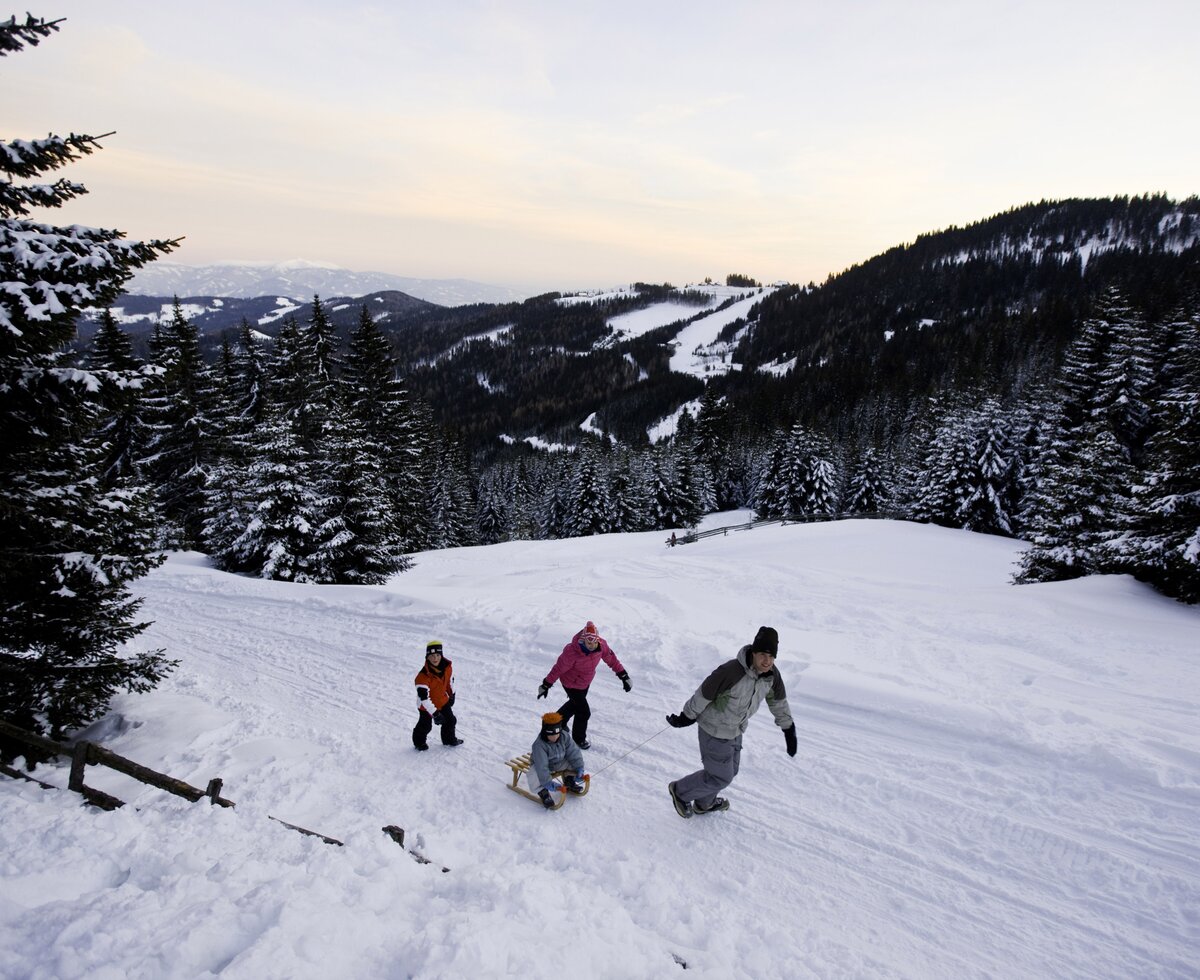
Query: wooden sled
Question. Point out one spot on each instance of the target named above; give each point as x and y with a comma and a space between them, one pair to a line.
520, 765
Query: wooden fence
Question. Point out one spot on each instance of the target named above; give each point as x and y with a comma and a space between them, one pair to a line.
84, 754
688, 537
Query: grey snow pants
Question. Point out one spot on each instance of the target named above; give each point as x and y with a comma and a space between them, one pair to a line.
721, 758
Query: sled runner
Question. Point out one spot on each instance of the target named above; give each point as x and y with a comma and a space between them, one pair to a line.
520, 766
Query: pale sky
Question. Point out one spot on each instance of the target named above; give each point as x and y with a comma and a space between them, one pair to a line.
565, 145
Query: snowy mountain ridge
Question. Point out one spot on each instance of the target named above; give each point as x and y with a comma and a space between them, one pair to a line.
1173, 232
300, 280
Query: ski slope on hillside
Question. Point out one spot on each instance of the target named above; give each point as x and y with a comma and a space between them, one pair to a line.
992, 781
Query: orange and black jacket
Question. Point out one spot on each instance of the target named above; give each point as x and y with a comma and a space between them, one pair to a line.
435, 685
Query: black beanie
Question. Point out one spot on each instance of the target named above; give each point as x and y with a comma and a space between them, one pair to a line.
766, 640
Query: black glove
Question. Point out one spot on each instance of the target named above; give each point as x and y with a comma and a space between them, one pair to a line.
437, 717
789, 735
450, 701
680, 721
546, 798
543, 690
623, 677
423, 693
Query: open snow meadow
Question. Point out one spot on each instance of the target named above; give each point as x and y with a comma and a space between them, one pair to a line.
992, 780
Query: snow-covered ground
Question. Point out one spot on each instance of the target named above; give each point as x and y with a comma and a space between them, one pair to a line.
992, 781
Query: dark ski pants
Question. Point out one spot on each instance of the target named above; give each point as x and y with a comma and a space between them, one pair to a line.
576, 708
425, 726
721, 758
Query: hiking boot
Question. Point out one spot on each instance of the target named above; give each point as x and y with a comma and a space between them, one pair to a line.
683, 809
583, 743
720, 803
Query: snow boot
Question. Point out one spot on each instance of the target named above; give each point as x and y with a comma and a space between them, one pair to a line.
453, 742
420, 746
682, 808
720, 803
583, 743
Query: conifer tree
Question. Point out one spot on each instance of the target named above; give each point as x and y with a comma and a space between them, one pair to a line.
590, 509
357, 541
867, 491
771, 494
1125, 378
123, 431
984, 493
184, 435
281, 535
228, 505
377, 398
627, 492
450, 499
492, 520
69, 546
1167, 544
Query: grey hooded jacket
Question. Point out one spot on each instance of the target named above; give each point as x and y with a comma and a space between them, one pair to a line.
729, 696
547, 758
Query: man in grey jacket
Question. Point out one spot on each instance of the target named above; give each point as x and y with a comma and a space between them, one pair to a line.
723, 706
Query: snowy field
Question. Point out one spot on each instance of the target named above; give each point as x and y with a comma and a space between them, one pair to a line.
992, 781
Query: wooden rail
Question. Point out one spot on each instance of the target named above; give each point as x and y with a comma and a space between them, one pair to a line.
688, 537
84, 754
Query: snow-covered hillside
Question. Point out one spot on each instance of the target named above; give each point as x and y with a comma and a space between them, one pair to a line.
992, 781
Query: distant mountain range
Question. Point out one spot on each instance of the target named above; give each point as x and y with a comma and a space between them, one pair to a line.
301, 280
988, 306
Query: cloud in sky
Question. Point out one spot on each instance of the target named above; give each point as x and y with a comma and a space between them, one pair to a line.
548, 145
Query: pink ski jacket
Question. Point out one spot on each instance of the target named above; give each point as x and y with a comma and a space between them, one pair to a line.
576, 667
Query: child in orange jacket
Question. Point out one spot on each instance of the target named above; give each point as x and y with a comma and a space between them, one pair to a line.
433, 687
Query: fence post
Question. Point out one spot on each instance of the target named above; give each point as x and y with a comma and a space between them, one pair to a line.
79, 758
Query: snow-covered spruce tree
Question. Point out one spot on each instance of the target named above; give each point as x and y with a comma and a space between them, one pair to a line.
937, 453
241, 393
867, 490
492, 520
280, 537
69, 546
123, 429
627, 491
555, 498
378, 399
770, 496
451, 499
984, 491
358, 539
590, 509
817, 492
183, 433
1125, 380
670, 508
520, 505
1083, 500
1166, 546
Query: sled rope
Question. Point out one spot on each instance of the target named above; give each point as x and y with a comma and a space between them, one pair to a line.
634, 749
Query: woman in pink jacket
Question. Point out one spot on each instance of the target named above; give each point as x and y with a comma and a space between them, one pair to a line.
576, 667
